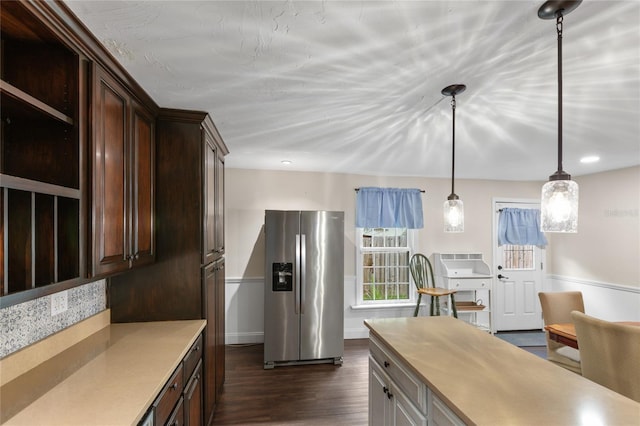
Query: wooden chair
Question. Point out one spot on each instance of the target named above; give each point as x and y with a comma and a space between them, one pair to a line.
556, 309
422, 274
609, 353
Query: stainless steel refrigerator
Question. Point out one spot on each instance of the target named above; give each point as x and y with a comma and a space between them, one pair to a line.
304, 291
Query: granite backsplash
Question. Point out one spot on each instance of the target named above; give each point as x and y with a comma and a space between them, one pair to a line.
29, 322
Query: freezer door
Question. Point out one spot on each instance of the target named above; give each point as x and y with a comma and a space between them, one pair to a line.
321, 285
281, 292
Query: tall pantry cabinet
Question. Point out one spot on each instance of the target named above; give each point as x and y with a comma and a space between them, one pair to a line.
187, 279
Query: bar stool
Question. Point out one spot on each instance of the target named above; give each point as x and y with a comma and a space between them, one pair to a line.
422, 274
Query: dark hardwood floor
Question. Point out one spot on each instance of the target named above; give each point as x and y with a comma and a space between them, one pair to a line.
319, 394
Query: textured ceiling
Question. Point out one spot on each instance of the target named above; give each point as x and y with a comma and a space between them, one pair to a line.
354, 86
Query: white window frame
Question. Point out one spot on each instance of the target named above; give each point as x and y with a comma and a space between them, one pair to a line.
360, 252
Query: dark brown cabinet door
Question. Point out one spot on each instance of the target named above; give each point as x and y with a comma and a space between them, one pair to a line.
193, 399
220, 325
209, 252
219, 204
110, 170
210, 350
123, 178
142, 185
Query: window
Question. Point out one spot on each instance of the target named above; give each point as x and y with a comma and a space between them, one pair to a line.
383, 265
517, 257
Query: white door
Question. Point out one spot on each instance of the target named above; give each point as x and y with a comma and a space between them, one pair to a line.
518, 272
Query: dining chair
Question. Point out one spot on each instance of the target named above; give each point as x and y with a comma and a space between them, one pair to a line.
609, 353
422, 274
556, 309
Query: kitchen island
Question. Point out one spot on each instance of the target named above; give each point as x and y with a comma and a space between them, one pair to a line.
441, 370
110, 377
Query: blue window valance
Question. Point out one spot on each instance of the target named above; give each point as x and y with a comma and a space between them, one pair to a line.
389, 208
520, 227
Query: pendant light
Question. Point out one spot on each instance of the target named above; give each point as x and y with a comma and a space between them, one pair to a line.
453, 207
559, 205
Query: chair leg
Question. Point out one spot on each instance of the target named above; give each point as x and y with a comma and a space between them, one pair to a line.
432, 307
453, 306
438, 306
415, 313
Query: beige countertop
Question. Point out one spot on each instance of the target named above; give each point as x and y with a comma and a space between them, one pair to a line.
109, 378
487, 381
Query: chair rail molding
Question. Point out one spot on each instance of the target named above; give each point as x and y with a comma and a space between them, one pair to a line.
582, 281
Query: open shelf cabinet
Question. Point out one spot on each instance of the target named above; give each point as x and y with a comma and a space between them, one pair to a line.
40, 154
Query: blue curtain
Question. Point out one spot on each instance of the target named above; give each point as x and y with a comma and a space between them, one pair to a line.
520, 227
389, 208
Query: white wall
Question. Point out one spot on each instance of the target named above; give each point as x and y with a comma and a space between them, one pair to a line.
608, 222
250, 192
607, 245
603, 259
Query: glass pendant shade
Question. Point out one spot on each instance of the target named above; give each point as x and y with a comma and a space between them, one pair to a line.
559, 207
453, 216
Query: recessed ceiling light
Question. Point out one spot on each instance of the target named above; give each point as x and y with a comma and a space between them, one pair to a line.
590, 159
286, 162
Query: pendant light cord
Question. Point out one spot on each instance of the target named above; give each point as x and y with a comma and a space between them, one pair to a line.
453, 150
559, 30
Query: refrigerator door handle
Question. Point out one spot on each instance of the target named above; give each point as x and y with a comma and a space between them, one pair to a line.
296, 290
302, 273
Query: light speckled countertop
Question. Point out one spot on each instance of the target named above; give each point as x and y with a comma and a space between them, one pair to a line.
108, 378
487, 381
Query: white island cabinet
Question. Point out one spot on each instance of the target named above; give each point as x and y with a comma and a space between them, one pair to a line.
442, 371
396, 396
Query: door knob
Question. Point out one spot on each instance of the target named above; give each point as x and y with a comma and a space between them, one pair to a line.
500, 277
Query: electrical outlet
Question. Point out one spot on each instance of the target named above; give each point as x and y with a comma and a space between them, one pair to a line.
59, 302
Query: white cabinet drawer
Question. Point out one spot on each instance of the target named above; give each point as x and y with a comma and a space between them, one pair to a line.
469, 283
415, 390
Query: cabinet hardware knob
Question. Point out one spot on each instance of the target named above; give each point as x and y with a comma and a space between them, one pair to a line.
174, 386
389, 395
385, 389
386, 364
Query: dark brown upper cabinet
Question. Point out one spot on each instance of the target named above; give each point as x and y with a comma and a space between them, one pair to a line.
42, 82
123, 178
213, 220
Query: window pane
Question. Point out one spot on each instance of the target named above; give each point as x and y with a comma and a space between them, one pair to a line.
391, 291
402, 238
391, 275
367, 275
367, 292
378, 292
403, 291
403, 275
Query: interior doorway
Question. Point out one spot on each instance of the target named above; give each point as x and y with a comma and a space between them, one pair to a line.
519, 275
